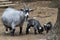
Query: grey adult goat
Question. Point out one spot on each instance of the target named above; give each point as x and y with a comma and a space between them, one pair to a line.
12, 18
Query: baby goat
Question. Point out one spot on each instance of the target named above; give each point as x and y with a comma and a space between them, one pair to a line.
34, 23
48, 26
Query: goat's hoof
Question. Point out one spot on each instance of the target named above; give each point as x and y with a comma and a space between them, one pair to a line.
27, 33
41, 33
12, 34
20, 33
6, 32
35, 33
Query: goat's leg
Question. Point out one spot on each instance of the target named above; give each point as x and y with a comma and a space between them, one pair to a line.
20, 31
21, 28
35, 29
6, 28
10, 28
47, 31
27, 29
40, 30
13, 30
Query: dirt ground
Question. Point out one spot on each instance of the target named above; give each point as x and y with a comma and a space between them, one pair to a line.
42, 14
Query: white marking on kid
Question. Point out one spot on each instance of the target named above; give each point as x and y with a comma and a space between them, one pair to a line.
39, 27
29, 29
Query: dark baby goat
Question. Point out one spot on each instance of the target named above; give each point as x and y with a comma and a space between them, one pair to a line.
48, 26
34, 23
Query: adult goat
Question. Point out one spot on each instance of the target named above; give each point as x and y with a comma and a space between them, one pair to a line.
12, 18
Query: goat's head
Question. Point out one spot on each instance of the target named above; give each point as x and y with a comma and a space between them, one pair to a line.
26, 11
48, 26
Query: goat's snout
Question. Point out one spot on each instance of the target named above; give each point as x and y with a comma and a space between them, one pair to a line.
27, 16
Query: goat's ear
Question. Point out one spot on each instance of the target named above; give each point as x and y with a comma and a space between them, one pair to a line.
21, 10
31, 10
